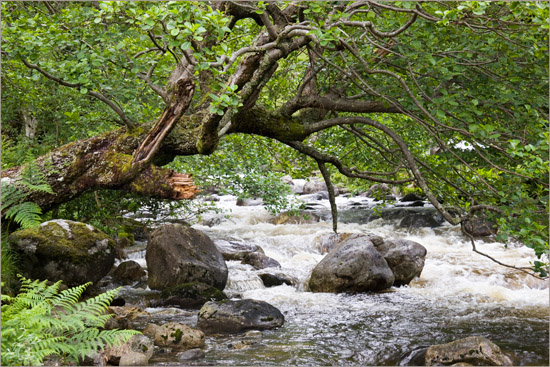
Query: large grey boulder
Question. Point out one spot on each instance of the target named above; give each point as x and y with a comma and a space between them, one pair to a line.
237, 316
178, 254
314, 185
405, 259
353, 266
476, 350
73, 252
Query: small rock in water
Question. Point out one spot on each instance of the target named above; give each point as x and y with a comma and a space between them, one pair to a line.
191, 354
175, 335
256, 334
260, 261
273, 280
241, 344
411, 197
133, 359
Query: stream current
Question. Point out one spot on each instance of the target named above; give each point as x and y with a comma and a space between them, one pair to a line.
459, 294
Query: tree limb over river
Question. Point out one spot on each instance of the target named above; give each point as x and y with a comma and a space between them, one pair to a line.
452, 97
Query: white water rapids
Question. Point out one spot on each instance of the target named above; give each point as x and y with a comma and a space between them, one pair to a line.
459, 294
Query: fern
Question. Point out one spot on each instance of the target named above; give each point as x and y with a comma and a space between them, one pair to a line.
14, 193
41, 322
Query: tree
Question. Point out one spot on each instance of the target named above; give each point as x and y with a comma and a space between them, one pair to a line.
452, 96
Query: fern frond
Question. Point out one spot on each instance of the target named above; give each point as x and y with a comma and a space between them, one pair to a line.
26, 214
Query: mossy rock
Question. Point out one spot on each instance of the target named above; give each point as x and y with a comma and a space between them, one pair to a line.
73, 252
190, 295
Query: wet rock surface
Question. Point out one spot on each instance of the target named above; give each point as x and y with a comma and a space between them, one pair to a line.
189, 295
129, 272
135, 352
259, 261
405, 259
353, 266
238, 316
178, 254
476, 350
73, 252
236, 250
479, 227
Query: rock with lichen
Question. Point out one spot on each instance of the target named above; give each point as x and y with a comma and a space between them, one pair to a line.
73, 252
175, 335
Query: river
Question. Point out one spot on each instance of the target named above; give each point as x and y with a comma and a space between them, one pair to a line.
459, 294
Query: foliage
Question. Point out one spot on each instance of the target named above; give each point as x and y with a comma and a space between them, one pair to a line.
41, 321
246, 168
14, 207
460, 91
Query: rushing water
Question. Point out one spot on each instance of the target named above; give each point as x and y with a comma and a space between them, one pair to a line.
458, 294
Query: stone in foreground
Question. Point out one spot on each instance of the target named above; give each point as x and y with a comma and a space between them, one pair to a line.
238, 316
178, 254
476, 350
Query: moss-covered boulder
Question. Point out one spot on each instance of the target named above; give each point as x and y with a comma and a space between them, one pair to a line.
179, 254
190, 295
73, 252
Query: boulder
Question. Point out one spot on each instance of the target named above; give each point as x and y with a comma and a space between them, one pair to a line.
378, 191
405, 259
480, 227
190, 295
129, 272
137, 348
353, 266
124, 317
73, 252
175, 335
250, 202
238, 316
421, 219
259, 261
133, 359
178, 254
325, 243
190, 355
235, 250
300, 218
273, 280
476, 350
313, 186
411, 196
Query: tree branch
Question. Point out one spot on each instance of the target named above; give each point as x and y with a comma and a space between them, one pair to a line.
78, 86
